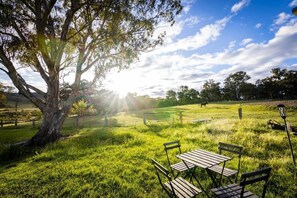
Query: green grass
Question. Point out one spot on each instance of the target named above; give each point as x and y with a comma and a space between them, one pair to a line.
115, 161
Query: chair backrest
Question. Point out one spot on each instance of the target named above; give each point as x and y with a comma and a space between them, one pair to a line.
171, 145
235, 149
162, 171
254, 177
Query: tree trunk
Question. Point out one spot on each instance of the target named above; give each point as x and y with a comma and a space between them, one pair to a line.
50, 130
53, 116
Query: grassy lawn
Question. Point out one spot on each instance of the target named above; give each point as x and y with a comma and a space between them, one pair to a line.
115, 161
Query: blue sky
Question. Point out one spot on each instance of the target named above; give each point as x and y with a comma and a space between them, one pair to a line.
212, 40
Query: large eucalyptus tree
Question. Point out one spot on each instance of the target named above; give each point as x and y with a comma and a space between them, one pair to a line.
74, 37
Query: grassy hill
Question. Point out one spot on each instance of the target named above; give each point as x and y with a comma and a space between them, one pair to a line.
115, 162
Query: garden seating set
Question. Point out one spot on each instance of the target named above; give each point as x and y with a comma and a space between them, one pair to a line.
177, 186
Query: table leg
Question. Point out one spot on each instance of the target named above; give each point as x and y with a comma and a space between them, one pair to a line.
212, 177
192, 175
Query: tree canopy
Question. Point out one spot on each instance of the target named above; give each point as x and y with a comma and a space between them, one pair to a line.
233, 84
74, 38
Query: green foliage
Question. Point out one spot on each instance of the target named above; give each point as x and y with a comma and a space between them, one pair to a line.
115, 161
4, 89
80, 107
211, 91
233, 85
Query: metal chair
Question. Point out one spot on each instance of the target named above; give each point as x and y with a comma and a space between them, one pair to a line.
229, 173
180, 166
178, 187
235, 190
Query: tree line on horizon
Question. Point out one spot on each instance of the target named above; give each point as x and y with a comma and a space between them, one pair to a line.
280, 85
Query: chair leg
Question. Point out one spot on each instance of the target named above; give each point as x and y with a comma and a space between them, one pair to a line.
236, 177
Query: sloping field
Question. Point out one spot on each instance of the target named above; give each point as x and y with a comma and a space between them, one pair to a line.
115, 161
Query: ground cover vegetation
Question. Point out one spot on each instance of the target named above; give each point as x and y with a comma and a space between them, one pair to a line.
115, 161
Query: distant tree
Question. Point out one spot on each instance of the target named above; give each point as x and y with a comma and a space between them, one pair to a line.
248, 91
267, 88
182, 94
192, 96
171, 97
233, 84
4, 89
281, 84
187, 96
80, 108
290, 82
75, 37
211, 91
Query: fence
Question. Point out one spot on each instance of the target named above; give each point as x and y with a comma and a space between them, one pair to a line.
15, 122
119, 119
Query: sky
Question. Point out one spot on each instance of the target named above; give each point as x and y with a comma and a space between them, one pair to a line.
212, 41
209, 40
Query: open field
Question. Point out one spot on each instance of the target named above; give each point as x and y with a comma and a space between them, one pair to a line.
115, 162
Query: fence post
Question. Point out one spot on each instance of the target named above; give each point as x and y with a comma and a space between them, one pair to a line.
144, 118
33, 123
240, 113
181, 117
16, 122
105, 119
1, 123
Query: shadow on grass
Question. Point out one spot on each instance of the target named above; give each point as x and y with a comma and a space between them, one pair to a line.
14, 154
11, 155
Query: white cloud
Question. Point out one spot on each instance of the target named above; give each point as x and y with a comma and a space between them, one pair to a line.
186, 8
175, 30
246, 41
293, 3
282, 18
257, 59
231, 45
258, 25
238, 6
187, 4
205, 35
191, 21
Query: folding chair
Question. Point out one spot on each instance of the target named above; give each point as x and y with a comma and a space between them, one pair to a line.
178, 187
235, 190
180, 166
229, 173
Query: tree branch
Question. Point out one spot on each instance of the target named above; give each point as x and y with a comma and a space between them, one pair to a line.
19, 82
30, 7
4, 70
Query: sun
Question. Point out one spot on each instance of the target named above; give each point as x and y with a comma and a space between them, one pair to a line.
122, 83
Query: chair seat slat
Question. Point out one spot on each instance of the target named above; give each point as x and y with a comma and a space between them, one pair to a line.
227, 171
183, 188
238, 190
180, 167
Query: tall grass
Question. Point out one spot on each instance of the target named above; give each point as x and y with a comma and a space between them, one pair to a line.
115, 161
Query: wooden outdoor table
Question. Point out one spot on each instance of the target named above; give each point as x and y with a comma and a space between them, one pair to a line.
203, 159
